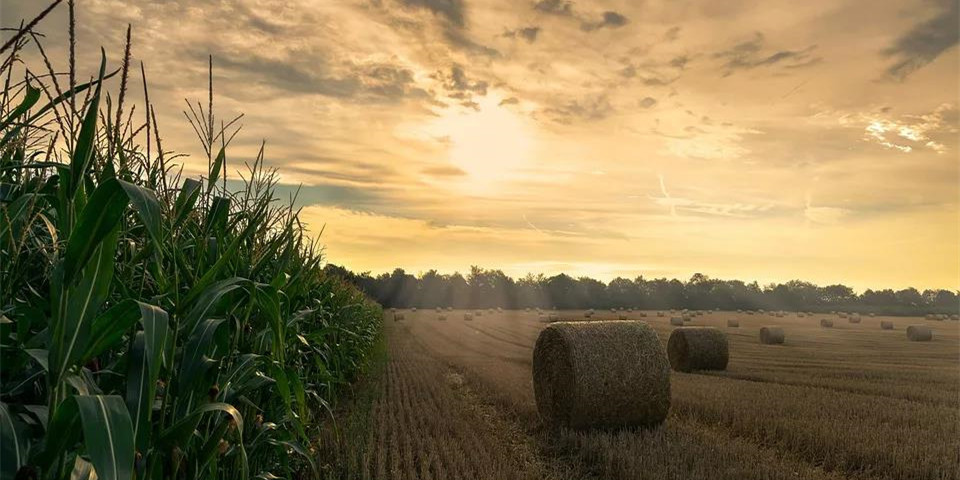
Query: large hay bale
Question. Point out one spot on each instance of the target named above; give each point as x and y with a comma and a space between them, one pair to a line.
826, 323
414, 309
676, 321
854, 318
919, 333
449, 309
697, 348
621, 317
587, 314
467, 316
478, 313
442, 318
872, 314
771, 335
660, 314
601, 374
886, 325
955, 317
643, 314
733, 323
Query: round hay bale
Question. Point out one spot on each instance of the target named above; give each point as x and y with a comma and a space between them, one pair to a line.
601, 374
449, 309
955, 317
872, 315
842, 315
621, 317
587, 314
698, 348
733, 323
854, 318
771, 335
442, 318
942, 316
801, 315
478, 313
438, 309
613, 310
660, 314
643, 314
676, 321
919, 333
467, 316
686, 318
826, 323
886, 325
414, 309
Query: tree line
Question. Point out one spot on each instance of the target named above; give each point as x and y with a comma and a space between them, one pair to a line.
482, 288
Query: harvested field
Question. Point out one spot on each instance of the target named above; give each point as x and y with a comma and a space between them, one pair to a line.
849, 402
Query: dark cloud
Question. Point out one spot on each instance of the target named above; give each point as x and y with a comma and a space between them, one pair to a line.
554, 7
509, 101
458, 85
672, 34
647, 102
594, 108
925, 42
307, 72
458, 39
452, 10
753, 53
443, 171
527, 33
609, 20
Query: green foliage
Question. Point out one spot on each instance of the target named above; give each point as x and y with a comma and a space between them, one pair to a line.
153, 327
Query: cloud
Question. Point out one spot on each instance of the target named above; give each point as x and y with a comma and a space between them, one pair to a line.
554, 7
452, 10
910, 132
509, 101
925, 42
458, 85
647, 102
527, 33
753, 53
609, 19
595, 107
443, 171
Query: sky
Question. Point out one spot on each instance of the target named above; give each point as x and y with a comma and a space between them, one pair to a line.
764, 141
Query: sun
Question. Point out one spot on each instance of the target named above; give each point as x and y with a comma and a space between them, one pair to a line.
490, 143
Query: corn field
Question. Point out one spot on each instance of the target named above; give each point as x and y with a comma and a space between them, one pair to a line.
154, 326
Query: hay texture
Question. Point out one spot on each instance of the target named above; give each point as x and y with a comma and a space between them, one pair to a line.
919, 333
771, 335
826, 323
602, 374
698, 348
733, 323
886, 325
676, 321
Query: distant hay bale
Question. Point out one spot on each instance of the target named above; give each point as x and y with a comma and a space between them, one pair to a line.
643, 314
613, 310
414, 309
697, 348
553, 318
676, 321
872, 315
601, 374
886, 325
449, 309
826, 323
660, 314
919, 333
854, 318
442, 318
499, 309
686, 318
842, 314
467, 316
478, 313
771, 335
591, 311
955, 317
942, 316
801, 314
621, 317
587, 314
438, 309
733, 323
